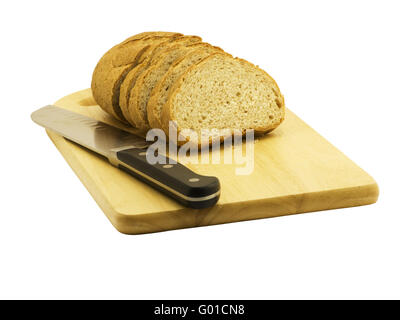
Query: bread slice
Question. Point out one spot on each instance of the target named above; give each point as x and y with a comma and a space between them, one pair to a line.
220, 94
113, 67
160, 92
152, 54
125, 90
149, 78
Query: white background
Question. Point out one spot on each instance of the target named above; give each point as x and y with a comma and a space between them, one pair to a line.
337, 64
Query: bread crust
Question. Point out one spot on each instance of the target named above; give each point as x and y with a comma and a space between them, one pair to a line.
125, 90
114, 66
151, 34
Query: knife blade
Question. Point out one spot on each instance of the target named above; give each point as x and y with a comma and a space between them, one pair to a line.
128, 152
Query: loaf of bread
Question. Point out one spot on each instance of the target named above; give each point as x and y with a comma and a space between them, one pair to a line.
159, 79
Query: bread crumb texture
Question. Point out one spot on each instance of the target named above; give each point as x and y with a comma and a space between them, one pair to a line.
224, 92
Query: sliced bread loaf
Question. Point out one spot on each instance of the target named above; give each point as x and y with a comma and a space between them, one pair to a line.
113, 67
220, 94
151, 53
160, 92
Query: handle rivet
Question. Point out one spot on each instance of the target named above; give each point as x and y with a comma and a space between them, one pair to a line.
167, 166
194, 179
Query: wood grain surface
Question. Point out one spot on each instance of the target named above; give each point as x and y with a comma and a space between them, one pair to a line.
295, 171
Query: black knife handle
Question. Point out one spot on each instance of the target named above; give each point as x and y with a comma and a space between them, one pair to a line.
173, 179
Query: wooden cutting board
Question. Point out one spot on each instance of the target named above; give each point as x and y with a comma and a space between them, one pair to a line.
295, 171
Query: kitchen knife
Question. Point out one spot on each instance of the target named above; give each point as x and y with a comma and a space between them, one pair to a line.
128, 152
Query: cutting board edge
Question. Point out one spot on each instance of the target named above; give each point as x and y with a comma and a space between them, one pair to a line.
254, 210
220, 214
